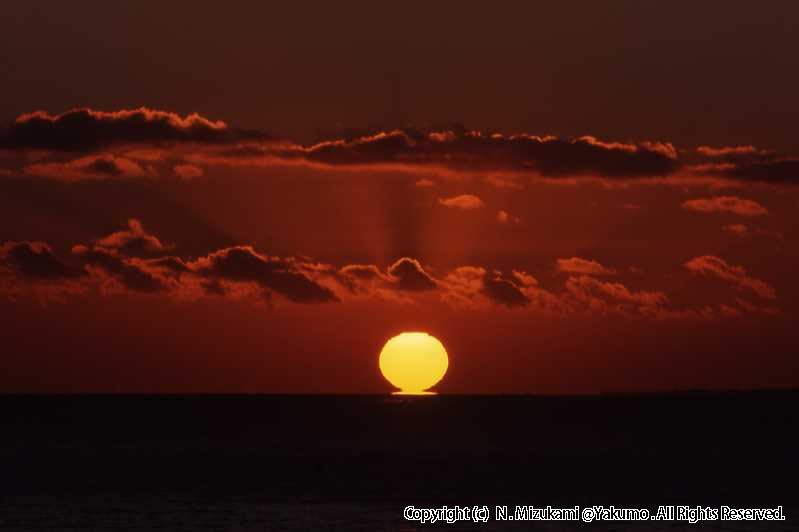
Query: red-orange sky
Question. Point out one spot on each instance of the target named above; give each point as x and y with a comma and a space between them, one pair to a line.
574, 199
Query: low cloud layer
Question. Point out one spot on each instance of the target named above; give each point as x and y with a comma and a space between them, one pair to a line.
135, 261
101, 145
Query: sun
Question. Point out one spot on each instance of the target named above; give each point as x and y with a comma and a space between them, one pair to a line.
413, 362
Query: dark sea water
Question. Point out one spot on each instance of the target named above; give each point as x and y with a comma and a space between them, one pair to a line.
252, 463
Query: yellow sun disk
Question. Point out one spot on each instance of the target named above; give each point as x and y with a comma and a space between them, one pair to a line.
413, 361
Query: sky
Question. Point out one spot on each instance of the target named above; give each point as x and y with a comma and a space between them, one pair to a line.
581, 198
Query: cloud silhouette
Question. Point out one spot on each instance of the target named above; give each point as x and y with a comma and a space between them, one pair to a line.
470, 150
411, 276
748, 163
134, 260
785, 170
89, 129
133, 241
244, 264
362, 278
129, 273
731, 204
34, 260
504, 291
192, 142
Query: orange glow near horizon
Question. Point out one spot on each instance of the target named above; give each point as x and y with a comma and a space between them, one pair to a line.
413, 362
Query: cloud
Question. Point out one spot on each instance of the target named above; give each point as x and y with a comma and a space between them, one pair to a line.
464, 201
504, 181
730, 152
132, 241
187, 171
474, 286
523, 278
717, 152
785, 170
244, 264
730, 312
89, 129
736, 275
585, 287
187, 144
470, 150
425, 183
744, 231
463, 285
504, 291
241, 272
504, 217
134, 261
748, 163
411, 276
731, 204
756, 309
503, 158
120, 260
589, 294
366, 272
584, 266
34, 260
175, 265
363, 278
103, 166
739, 230
214, 287
128, 272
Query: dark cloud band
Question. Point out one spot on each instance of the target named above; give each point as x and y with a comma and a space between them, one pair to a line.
87, 129
88, 132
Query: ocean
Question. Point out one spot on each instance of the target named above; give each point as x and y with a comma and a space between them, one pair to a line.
356, 462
